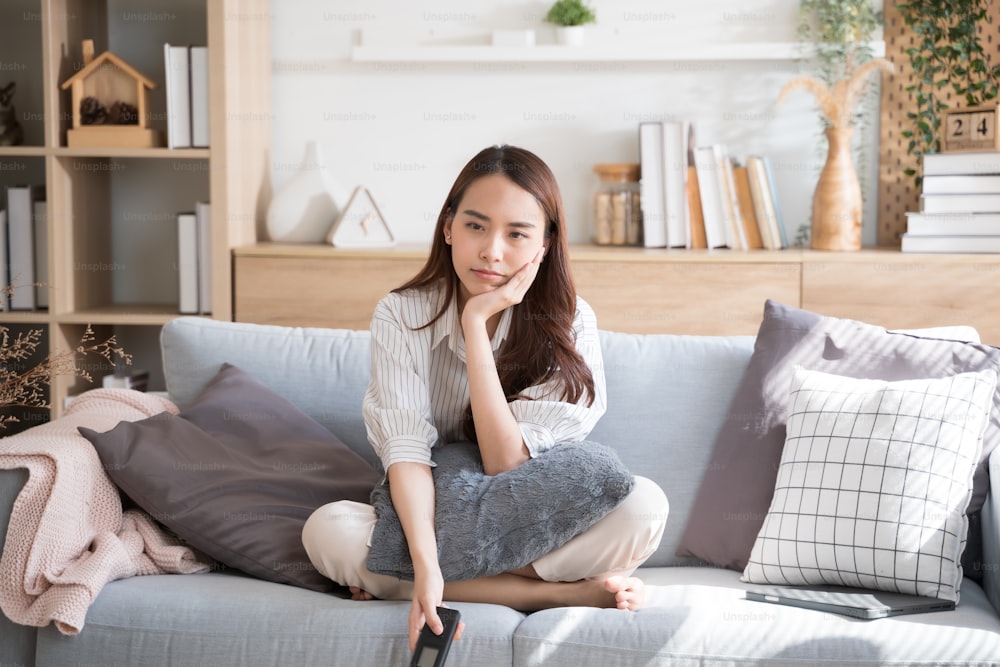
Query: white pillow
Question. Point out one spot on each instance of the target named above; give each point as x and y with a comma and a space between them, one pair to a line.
873, 483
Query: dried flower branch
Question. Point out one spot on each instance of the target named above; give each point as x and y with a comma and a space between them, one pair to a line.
837, 102
20, 387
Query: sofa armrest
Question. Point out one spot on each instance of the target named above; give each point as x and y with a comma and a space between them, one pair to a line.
11, 483
991, 534
17, 642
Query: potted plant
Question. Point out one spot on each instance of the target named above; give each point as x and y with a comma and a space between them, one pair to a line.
840, 32
947, 54
570, 17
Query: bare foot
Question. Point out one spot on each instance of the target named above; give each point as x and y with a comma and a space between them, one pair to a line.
360, 594
629, 592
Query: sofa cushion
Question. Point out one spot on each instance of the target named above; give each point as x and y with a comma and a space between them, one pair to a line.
668, 395
699, 616
236, 474
221, 619
873, 483
490, 524
323, 372
738, 483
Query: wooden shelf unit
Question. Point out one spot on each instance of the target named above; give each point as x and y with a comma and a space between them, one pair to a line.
80, 185
718, 292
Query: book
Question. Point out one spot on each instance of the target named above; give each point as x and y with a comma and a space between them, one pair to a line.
736, 238
748, 214
950, 243
953, 224
696, 220
772, 186
199, 96
130, 379
177, 75
654, 227
4, 264
187, 263
40, 217
981, 203
763, 208
203, 218
706, 162
961, 184
21, 244
675, 171
950, 164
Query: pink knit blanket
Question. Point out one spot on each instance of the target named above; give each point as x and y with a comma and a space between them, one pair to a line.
68, 536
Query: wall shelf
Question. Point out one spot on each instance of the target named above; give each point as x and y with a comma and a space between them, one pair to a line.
583, 54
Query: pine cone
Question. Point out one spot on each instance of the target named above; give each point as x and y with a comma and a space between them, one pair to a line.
92, 112
123, 113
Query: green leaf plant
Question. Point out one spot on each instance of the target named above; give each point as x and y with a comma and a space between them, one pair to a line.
570, 13
947, 54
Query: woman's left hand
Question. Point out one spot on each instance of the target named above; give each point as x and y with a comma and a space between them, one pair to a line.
510, 293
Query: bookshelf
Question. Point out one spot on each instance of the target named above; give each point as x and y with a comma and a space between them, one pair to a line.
112, 211
704, 292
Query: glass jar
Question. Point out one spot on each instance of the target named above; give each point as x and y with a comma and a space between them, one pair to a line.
617, 214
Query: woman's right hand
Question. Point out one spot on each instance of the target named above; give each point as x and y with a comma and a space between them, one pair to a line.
428, 594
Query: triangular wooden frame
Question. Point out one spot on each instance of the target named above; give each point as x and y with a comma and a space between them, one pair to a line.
360, 224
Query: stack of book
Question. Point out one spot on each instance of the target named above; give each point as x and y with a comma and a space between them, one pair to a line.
24, 249
959, 205
194, 245
699, 197
186, 74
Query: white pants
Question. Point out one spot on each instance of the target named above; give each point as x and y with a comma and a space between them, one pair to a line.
337, 535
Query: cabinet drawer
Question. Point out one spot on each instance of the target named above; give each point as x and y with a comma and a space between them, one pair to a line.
314, 291
898, 294
709, 298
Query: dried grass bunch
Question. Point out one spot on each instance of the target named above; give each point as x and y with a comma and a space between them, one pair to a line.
837, 102
24, 386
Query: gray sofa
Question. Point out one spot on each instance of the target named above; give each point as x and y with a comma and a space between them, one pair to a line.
668, 396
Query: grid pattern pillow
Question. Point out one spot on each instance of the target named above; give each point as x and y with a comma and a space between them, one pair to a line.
873, 483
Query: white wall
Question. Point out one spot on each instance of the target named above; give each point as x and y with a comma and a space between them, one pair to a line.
405, 129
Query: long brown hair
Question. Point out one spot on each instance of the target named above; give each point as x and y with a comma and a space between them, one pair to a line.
541, 342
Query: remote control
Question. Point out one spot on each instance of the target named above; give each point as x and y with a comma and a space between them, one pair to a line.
432, 649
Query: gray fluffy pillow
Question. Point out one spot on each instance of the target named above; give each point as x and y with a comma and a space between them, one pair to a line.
487, 525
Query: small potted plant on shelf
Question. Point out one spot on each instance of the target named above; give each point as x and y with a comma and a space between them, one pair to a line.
570, 17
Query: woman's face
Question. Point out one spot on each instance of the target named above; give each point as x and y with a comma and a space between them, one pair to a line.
496, 229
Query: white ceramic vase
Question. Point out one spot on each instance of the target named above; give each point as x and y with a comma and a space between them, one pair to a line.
305, 208
570, 35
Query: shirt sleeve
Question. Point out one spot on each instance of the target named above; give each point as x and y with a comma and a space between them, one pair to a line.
397, 406
547, 421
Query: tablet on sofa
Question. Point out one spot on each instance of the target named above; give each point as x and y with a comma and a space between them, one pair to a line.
856, 602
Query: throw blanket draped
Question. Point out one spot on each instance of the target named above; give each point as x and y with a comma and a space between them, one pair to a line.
68, 536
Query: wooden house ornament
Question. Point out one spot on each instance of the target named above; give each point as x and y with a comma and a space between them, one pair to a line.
110, 104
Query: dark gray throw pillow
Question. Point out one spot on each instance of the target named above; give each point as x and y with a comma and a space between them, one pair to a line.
236, 475
488, 525
738, 484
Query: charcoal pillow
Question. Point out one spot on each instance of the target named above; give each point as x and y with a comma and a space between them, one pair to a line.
873, 484
487, 525
236, 474
738, 484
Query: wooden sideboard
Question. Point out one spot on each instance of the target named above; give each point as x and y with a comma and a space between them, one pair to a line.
638, 290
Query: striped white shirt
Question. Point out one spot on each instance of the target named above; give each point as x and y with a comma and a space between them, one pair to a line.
419, 387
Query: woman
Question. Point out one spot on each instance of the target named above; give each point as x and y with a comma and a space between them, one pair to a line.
488, 343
